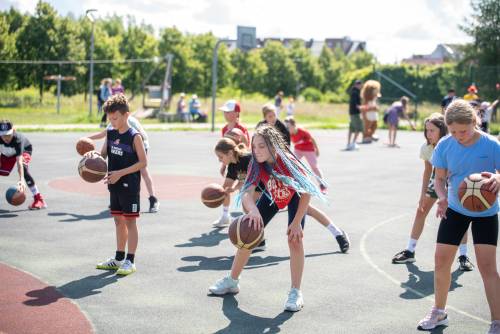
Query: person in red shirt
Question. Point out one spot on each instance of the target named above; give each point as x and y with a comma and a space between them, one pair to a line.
304, 145
287, 185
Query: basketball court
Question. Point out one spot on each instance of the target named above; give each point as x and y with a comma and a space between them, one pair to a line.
48, 257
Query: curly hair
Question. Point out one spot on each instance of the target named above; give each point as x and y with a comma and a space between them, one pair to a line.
370, 90
116, 102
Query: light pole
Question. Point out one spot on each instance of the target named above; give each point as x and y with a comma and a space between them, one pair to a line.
91, 18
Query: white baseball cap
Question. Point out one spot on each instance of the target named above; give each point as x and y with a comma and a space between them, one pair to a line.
231, 105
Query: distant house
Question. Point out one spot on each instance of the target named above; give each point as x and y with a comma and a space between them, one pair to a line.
347, 45
442, 54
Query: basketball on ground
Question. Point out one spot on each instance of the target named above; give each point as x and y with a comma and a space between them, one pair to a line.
474, 194
85, 145
243, 235
15, 197
92, 168
213, 195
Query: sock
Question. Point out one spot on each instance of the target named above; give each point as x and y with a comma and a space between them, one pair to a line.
34, 190
130, 257
463, 249
225, 211
334, 230
412, 244
440, 310
119, 256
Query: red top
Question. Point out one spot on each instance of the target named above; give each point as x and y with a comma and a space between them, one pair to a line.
302, 140
280, 193
239, 126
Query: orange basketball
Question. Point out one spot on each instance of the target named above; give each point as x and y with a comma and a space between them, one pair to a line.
243, 235
84, 145
213, 195
474, 194
15, 197
92, 168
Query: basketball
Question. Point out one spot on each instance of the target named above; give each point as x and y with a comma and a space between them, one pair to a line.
84, 145
15, 197
213, 195
92, 168
474, 194
235, 135
243, 235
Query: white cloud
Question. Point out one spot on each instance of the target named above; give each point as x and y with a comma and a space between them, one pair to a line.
393, 29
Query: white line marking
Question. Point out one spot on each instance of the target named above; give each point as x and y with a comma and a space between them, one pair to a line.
362, 248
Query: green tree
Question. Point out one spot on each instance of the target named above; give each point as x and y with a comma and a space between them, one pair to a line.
310, 74
281, 73
250, 70
7, 51
332, 70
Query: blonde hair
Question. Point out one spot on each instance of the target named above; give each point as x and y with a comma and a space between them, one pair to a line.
267, 108
226, 146
461, 112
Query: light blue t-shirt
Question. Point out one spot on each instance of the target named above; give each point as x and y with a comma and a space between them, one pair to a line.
461, 161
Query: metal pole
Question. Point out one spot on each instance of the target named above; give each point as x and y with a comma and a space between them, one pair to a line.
91, 76
59, 78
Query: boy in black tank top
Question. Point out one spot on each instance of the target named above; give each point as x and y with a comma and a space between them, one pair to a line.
126, 156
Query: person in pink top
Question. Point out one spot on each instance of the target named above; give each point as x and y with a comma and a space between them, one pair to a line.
304, 145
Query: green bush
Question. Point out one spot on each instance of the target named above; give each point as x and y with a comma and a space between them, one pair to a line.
312, 94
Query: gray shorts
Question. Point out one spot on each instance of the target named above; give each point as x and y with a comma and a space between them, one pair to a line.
356, 124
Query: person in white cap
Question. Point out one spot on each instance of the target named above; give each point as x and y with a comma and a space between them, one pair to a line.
485, 111
195, 109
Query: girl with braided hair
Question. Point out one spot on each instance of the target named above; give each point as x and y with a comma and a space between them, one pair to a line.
288, 183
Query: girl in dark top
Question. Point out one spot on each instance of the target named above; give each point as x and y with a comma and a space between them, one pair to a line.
271, 118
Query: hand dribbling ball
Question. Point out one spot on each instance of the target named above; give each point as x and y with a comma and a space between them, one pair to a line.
243, 235
14, 196
474, 195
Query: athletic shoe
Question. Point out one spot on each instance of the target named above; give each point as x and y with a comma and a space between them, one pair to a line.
349, 147
434, 319
323, 189
404, 257
110, 264
126, 268
294, 302
222, 222
343, 241
225, 285
38, 203
494, 327
465, 264
375, 138
260, 247
154, 205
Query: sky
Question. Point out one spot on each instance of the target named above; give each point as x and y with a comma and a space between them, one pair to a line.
392, 29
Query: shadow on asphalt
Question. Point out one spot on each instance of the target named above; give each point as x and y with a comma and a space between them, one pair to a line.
423, 282
211, 239
243, 322
225, 262
10, 213
74, 217
77, 289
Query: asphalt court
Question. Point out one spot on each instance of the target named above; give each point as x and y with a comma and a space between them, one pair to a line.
373, 194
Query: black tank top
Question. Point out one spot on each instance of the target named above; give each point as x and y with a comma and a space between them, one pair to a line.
121, 154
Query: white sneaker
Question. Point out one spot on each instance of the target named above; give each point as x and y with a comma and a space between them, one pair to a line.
349, 147
126, 268
224, 286
434, 319
295, 301
109, 264
222, 222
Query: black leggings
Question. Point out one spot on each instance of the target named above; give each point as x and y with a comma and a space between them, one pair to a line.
27, 176
267, 209
453, 227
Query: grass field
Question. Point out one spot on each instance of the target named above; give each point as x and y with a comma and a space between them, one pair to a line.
23, 107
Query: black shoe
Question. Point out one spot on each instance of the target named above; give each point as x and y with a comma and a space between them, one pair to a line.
260, 247
343, 241
465, 264
154, 205
404, 257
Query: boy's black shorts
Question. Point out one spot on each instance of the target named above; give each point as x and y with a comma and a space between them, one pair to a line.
123, 204
453, 227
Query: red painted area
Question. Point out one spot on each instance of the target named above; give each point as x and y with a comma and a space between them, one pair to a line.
167, 187
30, 306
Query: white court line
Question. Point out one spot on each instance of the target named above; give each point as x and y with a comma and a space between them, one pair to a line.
362, 248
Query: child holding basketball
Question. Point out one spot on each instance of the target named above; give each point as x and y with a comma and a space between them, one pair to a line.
466, 151
288, 184
15, 148
434, 129
124, 149
134, 123
304, 145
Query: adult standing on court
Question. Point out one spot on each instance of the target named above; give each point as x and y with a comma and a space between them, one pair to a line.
355, 123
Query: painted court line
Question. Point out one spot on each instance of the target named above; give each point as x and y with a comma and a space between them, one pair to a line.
362, 248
